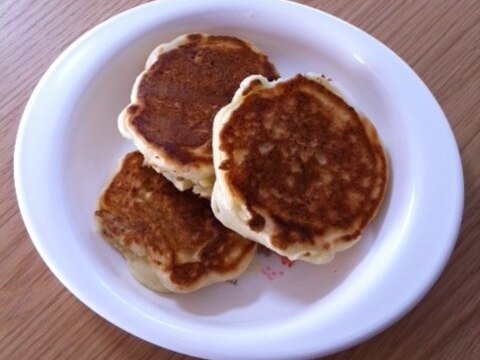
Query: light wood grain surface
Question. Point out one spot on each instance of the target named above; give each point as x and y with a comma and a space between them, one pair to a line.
40, 319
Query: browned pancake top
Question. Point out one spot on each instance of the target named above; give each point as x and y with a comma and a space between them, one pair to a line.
142, 207
305, 157
183, 90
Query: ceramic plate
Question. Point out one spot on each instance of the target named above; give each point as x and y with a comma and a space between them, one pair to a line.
68, 145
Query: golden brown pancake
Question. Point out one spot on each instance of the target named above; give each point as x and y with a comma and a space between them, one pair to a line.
297, 168
175, 99
170, 239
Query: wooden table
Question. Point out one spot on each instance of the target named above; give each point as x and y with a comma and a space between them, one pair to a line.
39, 318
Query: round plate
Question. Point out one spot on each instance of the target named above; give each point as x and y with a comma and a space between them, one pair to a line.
68, 146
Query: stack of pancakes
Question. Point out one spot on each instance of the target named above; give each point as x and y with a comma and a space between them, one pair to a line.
285, 163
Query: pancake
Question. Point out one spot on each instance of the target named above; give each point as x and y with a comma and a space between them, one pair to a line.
170, 239
174, 101
297, 168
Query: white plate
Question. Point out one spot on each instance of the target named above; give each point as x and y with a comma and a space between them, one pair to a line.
68, 145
